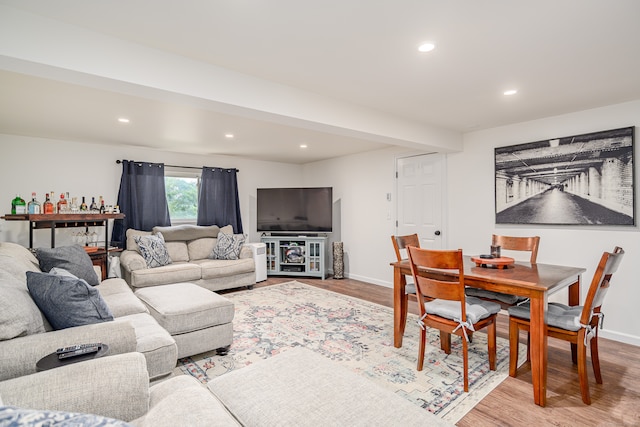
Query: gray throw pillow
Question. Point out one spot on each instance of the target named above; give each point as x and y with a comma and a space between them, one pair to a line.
228, 246
67, 302
72, 258
153, 250
12, 416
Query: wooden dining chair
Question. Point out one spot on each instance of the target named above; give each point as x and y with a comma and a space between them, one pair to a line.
400, 244
578, 324
508, 243
450, 311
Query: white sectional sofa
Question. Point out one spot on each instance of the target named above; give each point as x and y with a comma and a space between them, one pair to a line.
26, 336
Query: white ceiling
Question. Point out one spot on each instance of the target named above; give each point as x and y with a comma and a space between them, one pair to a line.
562, 56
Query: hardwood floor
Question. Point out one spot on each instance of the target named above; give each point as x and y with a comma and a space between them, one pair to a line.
616, 402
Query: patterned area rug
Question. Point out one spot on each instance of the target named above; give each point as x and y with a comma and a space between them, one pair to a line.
358, 335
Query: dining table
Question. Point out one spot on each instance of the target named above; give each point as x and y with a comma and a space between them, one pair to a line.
533, 281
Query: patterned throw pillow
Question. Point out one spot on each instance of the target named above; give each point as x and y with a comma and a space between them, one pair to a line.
153, 250
12, 416
228, 246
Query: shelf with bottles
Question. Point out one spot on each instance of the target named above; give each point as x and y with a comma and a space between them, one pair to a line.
64, 205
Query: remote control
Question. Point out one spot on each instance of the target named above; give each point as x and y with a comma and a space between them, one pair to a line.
79, 352
77, 347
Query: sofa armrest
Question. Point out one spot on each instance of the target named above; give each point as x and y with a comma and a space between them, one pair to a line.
18, 356
245, 252
113, 386
132, 261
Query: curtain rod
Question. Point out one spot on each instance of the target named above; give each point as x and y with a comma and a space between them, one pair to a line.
182, 167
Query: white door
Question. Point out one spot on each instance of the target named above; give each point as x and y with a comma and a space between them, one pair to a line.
420, 203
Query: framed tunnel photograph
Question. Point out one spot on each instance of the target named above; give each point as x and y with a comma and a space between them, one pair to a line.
575, 180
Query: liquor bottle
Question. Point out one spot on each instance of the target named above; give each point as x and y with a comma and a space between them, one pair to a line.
18, 206
34, 205
83, 205
62, 204
47, 206
52, 198
93, 206
102, 207
74, 205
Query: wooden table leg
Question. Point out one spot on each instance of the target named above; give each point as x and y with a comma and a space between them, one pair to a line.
538, 350
399, 321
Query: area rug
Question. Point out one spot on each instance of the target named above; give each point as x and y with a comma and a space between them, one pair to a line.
359, 335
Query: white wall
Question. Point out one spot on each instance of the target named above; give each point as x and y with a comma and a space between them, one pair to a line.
471, 211
361, 182
44, 165
360, 185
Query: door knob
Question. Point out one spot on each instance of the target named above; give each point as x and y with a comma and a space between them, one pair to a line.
437, 232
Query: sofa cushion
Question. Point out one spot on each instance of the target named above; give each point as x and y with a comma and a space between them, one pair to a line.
72, 258
178, 251
214, 268
187, 232
172, 273
119, 297
228, 246
201, 248
17, 267
152, 340
131, 242
17, 251
12, 416
66, 301
167, 406
153, 250
19, 314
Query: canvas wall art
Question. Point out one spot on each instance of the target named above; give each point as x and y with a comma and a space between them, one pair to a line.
575, 180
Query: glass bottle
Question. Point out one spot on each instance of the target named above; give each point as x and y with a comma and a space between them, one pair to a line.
83, 205
52, 198
47, 206
18, 206
34, 205
74, 205
102, 207
62, 204
93, 206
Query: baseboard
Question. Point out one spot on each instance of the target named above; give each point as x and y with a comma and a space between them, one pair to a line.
368, 280
620, 337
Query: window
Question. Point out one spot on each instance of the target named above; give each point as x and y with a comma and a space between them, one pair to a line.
182, 196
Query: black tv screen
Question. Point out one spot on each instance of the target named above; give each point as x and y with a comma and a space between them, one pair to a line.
295, 210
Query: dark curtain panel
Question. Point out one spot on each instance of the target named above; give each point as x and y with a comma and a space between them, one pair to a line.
141, 198
218, 202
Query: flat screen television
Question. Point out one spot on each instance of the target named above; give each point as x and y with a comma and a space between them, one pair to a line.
295, 210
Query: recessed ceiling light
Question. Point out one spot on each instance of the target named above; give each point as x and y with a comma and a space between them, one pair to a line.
228, 135
123, 120
303, 146
426, 47
510, 92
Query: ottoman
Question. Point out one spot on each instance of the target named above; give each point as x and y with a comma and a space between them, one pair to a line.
301, 388
198, 319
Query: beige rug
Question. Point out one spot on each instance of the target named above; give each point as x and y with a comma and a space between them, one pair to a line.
358, 335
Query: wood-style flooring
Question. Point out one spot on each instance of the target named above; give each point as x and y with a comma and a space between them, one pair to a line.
616, 402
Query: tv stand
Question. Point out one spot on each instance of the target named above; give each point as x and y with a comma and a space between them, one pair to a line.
296, 255
293, 235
